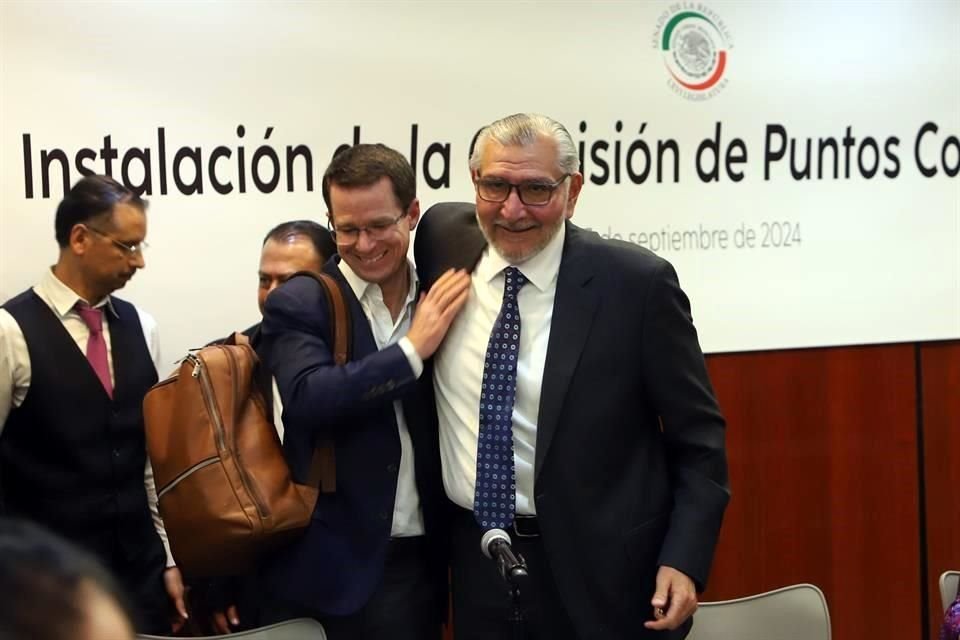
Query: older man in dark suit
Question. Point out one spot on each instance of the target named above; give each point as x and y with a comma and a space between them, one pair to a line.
574, 405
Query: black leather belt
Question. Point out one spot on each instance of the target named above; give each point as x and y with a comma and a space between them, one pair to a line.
525, 526
405, 547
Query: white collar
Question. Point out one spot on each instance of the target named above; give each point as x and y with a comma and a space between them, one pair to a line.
363, 289
63, 299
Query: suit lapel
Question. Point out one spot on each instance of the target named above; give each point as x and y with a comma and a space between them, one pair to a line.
574, 308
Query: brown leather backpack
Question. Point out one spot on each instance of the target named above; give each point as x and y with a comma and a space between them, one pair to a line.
225, 489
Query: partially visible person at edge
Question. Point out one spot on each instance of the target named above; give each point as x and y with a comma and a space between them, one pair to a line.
950, 630
372, 564
53, 590
78, 464
575, 410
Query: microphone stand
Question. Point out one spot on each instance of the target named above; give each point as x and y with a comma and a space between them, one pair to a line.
517, 626
513, 570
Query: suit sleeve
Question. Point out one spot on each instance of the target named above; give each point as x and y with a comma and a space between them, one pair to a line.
316, 392
675, 373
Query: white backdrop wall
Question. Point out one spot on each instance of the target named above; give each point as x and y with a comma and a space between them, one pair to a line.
863, 248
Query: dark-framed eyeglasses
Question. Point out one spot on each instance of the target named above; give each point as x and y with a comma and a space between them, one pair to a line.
346, 235
131, 250
533, 193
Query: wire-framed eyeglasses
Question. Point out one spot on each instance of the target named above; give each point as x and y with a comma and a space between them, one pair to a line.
130, 249
345, 235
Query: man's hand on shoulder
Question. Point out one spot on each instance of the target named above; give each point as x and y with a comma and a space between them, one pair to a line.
674, 601
436, 311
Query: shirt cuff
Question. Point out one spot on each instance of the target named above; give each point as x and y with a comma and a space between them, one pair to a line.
416, 363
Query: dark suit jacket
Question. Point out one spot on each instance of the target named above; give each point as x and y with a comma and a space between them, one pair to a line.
630, 465
334, 568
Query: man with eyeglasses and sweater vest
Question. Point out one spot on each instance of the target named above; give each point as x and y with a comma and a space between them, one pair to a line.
75, 363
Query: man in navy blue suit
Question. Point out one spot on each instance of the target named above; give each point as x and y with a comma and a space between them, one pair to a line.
372, 564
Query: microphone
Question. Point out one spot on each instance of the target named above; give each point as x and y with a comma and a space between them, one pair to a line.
495, 544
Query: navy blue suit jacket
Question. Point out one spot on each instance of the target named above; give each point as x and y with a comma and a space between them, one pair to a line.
338, 563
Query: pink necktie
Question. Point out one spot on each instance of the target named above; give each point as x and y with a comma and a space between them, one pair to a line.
96, 345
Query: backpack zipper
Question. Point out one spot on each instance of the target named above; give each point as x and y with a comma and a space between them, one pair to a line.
209, 399
210, 402
251, 486
186, 473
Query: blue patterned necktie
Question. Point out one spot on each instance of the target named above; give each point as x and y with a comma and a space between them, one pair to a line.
494, 501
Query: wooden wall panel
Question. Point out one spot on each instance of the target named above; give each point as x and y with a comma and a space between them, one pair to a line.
940, 375
824, 471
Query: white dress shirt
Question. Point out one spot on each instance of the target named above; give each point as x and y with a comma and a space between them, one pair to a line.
458, 370
277, 409
15, 371
407, 514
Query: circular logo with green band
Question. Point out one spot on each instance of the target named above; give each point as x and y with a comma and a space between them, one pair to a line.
695, 45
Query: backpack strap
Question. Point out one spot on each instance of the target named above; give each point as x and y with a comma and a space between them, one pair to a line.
323, 466
338, 313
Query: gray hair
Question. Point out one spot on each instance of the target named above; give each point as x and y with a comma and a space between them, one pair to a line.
523, 129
